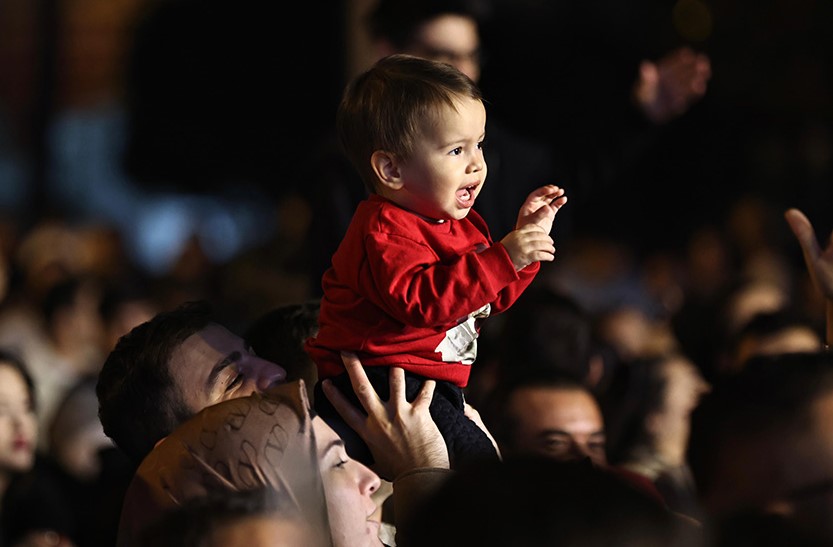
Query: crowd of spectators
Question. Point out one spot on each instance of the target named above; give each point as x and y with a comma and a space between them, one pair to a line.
682, 307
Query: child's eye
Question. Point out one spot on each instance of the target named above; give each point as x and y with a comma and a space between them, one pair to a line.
457, 151
480, 145
341, 464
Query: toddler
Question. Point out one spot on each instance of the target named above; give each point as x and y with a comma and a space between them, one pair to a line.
417, 270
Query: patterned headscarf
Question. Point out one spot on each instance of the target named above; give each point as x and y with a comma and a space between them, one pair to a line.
264, 439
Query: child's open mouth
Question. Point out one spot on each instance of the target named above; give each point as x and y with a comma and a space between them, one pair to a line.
465, 196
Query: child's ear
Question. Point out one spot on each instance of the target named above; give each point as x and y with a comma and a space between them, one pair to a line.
387, 169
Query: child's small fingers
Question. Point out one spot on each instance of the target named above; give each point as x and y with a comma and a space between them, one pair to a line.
545, 257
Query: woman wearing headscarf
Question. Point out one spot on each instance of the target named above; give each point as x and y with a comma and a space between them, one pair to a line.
267, 439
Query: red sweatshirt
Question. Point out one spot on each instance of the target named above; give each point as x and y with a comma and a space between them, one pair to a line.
408, 291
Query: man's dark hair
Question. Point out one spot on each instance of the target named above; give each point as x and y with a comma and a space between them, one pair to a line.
138, 404
279, 335
545, 329
495, 414
636, 391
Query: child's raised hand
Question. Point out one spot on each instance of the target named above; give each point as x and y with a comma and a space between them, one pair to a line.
528, 244
540, 207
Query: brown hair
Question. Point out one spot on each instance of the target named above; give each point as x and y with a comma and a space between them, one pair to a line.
386, 107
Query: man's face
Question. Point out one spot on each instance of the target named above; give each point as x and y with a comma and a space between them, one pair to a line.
215, 365
564, 424
451, 39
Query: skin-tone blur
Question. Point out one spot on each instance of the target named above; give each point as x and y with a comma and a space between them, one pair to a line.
564, 424
18, 425
18, 439
671, 426
449, 38
214, 365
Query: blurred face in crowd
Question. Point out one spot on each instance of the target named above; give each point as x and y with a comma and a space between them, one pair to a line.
215, 365
451, 39
448, 38
18, 423
684, 385
564, 424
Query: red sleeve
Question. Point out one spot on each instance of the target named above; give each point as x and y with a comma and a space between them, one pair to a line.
510, 294
416, 289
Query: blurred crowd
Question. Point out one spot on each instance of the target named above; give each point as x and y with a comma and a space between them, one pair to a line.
188, 155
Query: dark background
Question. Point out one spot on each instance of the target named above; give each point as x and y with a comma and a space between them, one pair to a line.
222, 95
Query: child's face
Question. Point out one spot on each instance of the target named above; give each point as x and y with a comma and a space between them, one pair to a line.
447, 170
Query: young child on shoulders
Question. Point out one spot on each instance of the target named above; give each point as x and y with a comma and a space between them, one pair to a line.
417, 269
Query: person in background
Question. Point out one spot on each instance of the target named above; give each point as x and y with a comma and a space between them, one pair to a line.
279, 335
547, 413
647, 411
181, 361
165, 370
63, 342
759, 449
85, 467
31, 512
275, 443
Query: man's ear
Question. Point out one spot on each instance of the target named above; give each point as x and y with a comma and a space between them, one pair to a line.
386, 167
